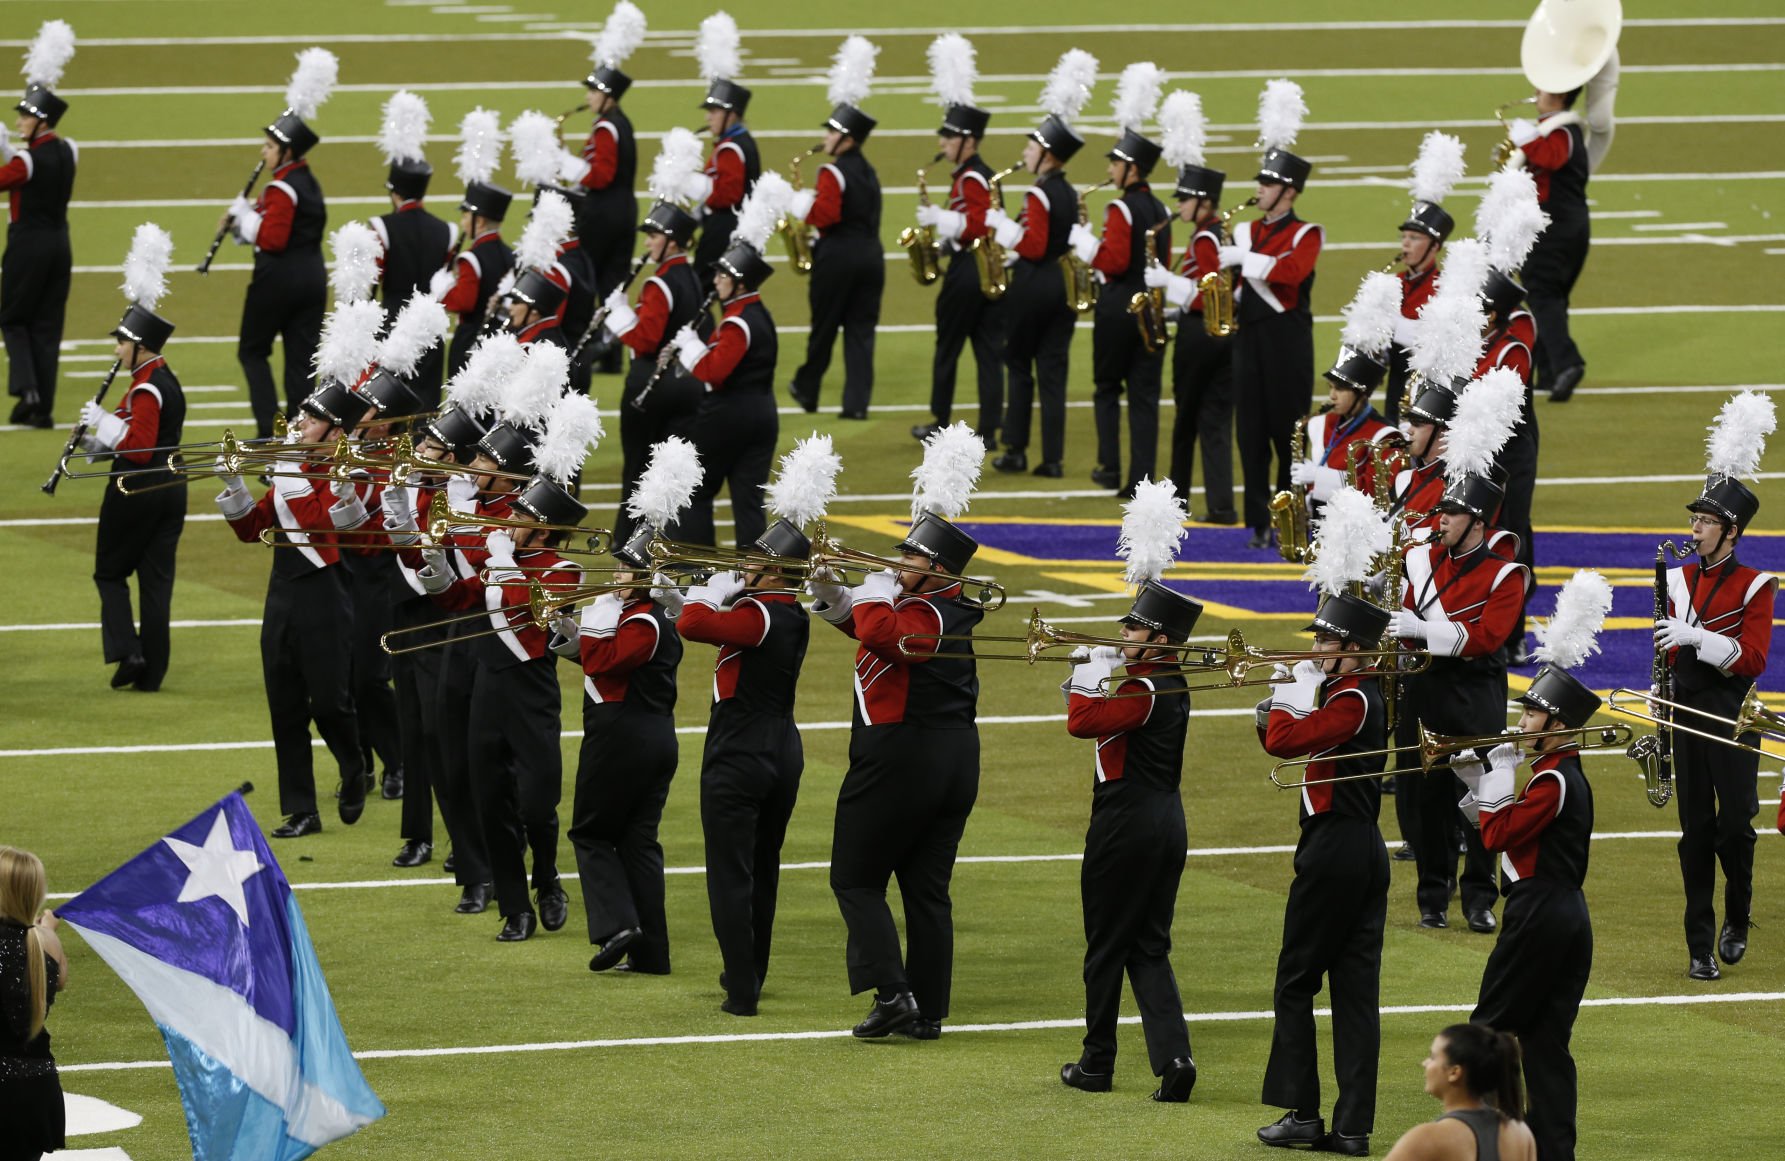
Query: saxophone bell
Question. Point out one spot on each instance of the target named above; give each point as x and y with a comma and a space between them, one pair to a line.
988, 256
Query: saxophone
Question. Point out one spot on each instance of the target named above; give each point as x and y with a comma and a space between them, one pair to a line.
1654, 752
920, 241
1392, 565
1216, 286
1081, 288
793, 230
988, 256
1148, 306
1289, 508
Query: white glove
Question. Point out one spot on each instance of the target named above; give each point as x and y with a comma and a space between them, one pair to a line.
1406, 624
571, 168
436, 574
1504, 758
929, 215
1232, 255
341, 487
1470, 770
1301, 473
620, 315
1004, 231
1257, 266
878, 586
1523, 131
500, 546
1298, 696
700, 188
690, 348
1672, 633
669, 597
830, 600
565, 628
1087, 675
399, 508
6, 150
103, 428
1082, 241
802, 203
247, 220
292, 484
349, 509
461, 493
601, 616
950, 224
293, 434
722, 587
1405, 329
1325, 481
233, 501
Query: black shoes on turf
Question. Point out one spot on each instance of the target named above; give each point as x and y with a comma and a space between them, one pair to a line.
888, 1016
1074, 1076
299, 825
1176, 1082
413, 854
129, 671
1704, 967
518, 927
554, 907
1481, 922
1433, 919
1732, 942
1291, 1130
474, 899
1011, 462
1343, 1145
391, 785
613, 949
1566, 380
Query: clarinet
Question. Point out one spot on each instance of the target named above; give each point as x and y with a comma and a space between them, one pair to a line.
223, 230
664, 356
80, 429
601, 313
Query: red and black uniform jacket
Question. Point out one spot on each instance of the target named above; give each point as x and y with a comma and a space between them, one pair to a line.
1050, 209
634, 665
762, 644
609, 206
669, 301
847, 204
1140, 738
742, 352
1331, 439
1479, 592
154, 409
416, 245
1121, 257
1289, 287
1416, 290
1557, 159
293, 217
477, 272
1349, 718
1202, 256
302, 521
517, 639
937, 687
734, 167
1544, 835
970, 195
1418, 488
1736, 603
39, 181
1510, 346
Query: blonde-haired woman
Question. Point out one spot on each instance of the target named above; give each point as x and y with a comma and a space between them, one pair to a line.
33, 969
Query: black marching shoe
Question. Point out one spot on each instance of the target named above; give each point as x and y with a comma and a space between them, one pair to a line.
613, 949
351, 799
888, 1016
554, 907
1073, 1075
518, 927
1290, 1130
129, 669
22, 410
922, 1029
1049, 470
1567, 379
474, 899
299, 825
1343, 1145
391, 786
413, 854
1176, 1082
632, 968
922, 431
1106, 479
1433, 919
737, 1007
1482, 922
1013, 460
40, 419
856, 413
807, 402
1732, 942
1704, 967
447, 864
1405, 854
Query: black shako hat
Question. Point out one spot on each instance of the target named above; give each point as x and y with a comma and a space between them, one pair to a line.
671, 219
964, 121
41, 102
538, 292
486, 201
727, 95
510, 445
1475, 495
290, 131
1350, 619
1356, 371
1435, 405
1284, 168
389, 396
1430, 219
549, 502
1556, 691
144, 327
408, 179
338, 404
1163, 610
609, 80
942, 542
851, 122
1728, 499
1136, 151
746, 264
1057, 137
1199, 181
784, 538
636, 551
458, 430
1502, 294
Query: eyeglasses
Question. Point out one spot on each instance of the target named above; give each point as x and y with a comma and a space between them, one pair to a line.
1700, 520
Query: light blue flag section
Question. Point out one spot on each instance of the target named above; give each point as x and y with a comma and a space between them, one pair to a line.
204, 929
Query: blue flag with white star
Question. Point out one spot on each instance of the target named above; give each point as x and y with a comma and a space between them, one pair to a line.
204, 929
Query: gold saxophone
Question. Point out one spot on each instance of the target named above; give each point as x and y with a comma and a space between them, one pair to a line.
1081, 288
1289, 509
1216, 286
920, 242
988, 256
558, 121
1148, 306
1503, 152
793, 230
1393, 562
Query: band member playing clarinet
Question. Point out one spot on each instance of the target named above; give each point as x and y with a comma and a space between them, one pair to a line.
735, 164
608, 209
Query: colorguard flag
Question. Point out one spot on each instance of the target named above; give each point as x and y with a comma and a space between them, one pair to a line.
204, 929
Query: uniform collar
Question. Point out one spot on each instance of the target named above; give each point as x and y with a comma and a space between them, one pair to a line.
279, 174
673, 261
1459, 557
533, 332
1411, 278
411, 204
41, 138
737, 305
486, 236
781, 596
141, 375
737, 130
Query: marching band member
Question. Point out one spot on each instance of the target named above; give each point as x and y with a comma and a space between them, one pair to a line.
416, 244
1436, 172
1349, 430
1537, 972
1134, 848
608, 209
848, 264
1716, 633
913, 751
1129, 245
534, 306
1419, 484
735, 164
751, 766
1460, 601
1273, 354
963, 311
140, 533
1333, 921
1038, 318
480, 270
549, 243
289, 290
38, 266
1201, 363
1554, 149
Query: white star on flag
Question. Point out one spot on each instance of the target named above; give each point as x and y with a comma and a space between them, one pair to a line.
218, 868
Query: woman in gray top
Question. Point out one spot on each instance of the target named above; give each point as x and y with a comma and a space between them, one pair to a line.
1474, 1072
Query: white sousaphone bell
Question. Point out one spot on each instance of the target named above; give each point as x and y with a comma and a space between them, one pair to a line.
1567, 42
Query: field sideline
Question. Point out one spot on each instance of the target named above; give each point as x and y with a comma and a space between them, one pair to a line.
485, 1050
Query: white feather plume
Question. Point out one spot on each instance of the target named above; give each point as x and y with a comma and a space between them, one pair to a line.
1572, 635
620, 36
954, 69
716, 48
1738, 435
418, 328
480, 146
1069, 86
1184, 130
1152, 530
768, 201
534, 388
1465, 270
1438, 167
667, 484
675, 175
51, 50
1509, 218
404, 130
806, 481
1487, 411
1137, 95
357, 250
952, 460
572, 429
1446, 341
548, 228
852, 70
534, 145
349, 342
483, 380
312, 81
1280, 113
1353, 534
146, 265
1373, 313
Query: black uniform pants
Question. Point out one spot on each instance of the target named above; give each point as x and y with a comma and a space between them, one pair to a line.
1332, 927
964, 314
285, 299
1717, 797
1519, 460
1120, 361
370, 580
306, 658
1448, 702
416, 676
452, 749
1532, 988
901, 811
847, 280
1134, 857
35, 275
1037, 351
735, 434
1202, 386
138, 534
669, 409
749, 782
517, 774
623, 773
1550, 272
1273, 385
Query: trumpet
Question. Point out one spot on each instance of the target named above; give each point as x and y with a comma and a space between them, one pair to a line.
793, 230
1504, 150
1081, 287
1440, 751
988, 256
1148, 306
920, 242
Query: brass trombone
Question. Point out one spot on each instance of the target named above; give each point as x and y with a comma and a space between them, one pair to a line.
1440, 751
443, 521
1041, 637
1755, 716
542, 608
240, 458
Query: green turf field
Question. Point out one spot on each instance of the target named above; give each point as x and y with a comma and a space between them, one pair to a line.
1681, 299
